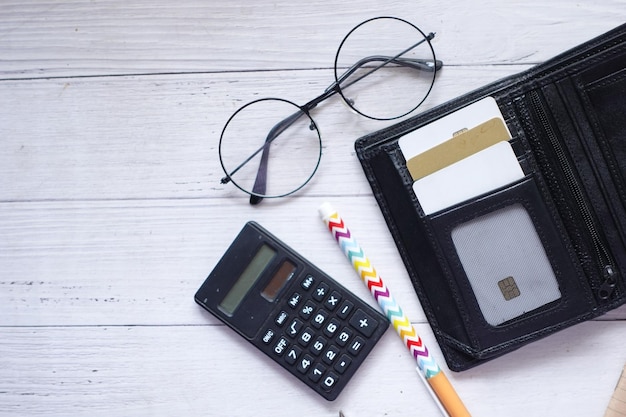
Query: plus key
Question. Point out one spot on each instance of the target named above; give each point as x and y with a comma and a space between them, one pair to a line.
363, 323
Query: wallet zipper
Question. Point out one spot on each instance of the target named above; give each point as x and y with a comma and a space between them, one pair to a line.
608, 272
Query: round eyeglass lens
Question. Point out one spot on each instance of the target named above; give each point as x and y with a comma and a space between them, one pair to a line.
270, 148
384, 68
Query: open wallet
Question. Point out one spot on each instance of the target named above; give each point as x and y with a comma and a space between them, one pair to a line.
508, 204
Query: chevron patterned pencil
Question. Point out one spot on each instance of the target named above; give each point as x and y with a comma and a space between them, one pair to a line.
447, 398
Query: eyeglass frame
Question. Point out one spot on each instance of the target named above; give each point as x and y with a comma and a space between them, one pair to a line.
419, 64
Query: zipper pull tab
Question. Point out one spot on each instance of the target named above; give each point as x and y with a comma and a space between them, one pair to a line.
607, 287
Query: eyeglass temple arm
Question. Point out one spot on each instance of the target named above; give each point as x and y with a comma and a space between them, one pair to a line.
273, 134
260, 182
415, 63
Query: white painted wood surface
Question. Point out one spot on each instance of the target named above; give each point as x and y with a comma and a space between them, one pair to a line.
112, 215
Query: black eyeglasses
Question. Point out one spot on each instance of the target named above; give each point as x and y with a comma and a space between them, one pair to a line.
384, 69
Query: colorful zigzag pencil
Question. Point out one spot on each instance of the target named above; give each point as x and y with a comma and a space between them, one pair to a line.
447, 398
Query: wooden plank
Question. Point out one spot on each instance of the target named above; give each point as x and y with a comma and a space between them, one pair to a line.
141, 262
208, 370
158, 136
77, 38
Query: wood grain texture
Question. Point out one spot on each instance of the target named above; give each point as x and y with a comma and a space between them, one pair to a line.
157, 136
78, 38
208, 370
112, 214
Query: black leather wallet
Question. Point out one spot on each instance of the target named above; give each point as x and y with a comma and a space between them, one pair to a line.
538, 254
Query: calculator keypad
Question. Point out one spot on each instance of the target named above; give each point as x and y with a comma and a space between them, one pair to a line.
321, 333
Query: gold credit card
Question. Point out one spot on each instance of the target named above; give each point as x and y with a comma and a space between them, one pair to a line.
459, 147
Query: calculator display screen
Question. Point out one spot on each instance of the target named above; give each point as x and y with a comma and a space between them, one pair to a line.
247, 279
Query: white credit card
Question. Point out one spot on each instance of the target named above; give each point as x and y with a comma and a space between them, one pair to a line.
484, 171
443, 129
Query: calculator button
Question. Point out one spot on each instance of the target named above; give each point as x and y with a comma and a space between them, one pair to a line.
343, 363
333, 300
307, 282
331, 354
317, 372
363, 323
344, 336
292, 355
280, 346
307, 309
331, 327
304, 364
318, 346
319, 319
320, 291
281, 318
306, 336
345, 310
356, 345
329, 382
294, 300
268, 336
295, 327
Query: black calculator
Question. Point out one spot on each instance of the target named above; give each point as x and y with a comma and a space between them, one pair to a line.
293, 312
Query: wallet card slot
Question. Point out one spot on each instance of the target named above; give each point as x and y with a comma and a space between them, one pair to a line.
592, 133
507, 261
392, 188
547, 132
604, 104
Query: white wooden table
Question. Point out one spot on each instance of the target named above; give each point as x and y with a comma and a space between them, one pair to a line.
112, 214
